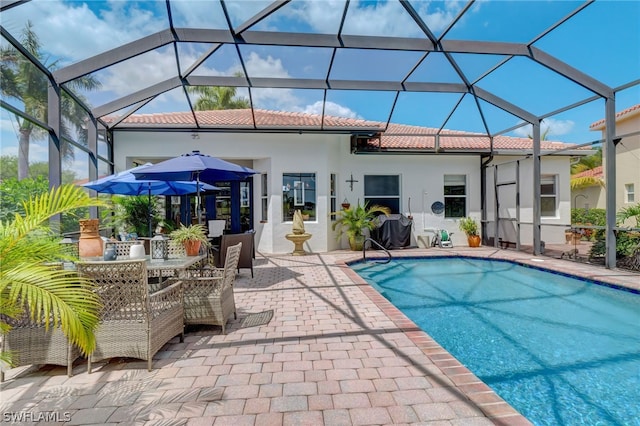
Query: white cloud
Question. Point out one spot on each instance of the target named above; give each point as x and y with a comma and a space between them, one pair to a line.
331, 108
555, 127
265, 67
390, 18
139, 72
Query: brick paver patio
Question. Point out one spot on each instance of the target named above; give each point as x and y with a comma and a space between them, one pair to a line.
335, 353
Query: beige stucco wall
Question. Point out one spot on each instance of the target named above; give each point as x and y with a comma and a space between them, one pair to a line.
627, 159
421, 178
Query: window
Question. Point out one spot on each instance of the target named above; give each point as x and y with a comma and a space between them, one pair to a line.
383, 190
298, 193
264, 196
332, 196
548, 196
455, 196
629, 192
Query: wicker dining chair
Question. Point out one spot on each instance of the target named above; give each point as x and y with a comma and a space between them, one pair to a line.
133, 323
208, 292
247, 254
31, 343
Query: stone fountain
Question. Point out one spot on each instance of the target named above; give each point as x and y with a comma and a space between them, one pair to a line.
298, 235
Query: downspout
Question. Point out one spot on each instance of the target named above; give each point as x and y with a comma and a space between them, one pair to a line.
483, 191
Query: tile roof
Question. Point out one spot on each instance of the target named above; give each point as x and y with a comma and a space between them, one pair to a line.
596, 172
242, 118
599, 125
395, 137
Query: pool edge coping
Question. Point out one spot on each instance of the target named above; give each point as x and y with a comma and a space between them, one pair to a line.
492, 405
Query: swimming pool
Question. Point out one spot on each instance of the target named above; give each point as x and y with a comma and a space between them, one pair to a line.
561, 350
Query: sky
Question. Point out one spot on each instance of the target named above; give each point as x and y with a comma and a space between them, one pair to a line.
603, 41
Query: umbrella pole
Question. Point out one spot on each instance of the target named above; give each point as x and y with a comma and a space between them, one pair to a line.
149, 215
198, 210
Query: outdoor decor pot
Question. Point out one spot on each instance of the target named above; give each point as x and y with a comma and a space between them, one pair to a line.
356, 243
473, 240
192, 247
137, 251
90, 243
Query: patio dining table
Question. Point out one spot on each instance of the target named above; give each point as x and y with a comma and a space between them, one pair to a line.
162, 268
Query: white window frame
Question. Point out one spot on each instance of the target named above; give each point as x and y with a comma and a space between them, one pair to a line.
298, 193
465, 196
397, 196
264, 196
546, 179
333, 195
629, 193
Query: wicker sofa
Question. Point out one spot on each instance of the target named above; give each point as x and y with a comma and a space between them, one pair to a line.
208, 292
133, 322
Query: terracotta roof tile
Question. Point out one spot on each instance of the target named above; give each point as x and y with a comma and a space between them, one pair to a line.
395, 137
596, 172
599, 125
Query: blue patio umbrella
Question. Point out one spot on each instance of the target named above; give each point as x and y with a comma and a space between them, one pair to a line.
195, 166
125, 183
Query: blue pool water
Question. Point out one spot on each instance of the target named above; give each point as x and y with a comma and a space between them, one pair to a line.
560, 350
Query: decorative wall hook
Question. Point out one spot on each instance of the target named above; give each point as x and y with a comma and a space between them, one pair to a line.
351, 181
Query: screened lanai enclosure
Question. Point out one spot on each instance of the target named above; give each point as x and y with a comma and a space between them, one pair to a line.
514, 83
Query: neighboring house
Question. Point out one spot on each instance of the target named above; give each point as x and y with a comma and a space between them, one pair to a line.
405, 167
627, 156
595, 193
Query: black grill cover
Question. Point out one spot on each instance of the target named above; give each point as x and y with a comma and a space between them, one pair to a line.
393, 231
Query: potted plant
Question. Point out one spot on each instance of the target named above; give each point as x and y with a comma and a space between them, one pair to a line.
469, 226
353, 220
192, 237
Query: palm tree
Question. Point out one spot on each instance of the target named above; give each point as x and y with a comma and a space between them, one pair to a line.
23, 81
631, 212
27, 281
216, 97
353, 220
589, 162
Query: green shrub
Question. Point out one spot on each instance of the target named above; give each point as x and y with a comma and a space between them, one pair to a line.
626, 245
593, 216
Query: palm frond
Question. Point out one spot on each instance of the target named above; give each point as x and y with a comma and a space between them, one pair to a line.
32, 283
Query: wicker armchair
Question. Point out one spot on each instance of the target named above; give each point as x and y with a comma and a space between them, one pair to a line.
133, 322
32, 343
208, 292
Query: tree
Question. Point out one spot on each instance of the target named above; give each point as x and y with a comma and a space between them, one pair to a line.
588, 162
23, 81
543, 136
28, 284
216, 98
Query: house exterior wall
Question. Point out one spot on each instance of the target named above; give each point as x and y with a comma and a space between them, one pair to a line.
627, 160
421, 179
552, 227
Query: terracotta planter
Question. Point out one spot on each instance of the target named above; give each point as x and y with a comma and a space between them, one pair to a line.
473, 240
192, 247
90, 243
